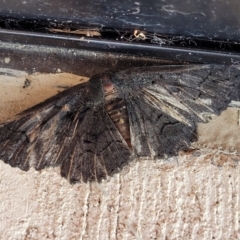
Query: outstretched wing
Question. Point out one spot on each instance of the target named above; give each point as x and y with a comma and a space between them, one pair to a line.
64, 131
165, 103
36, 131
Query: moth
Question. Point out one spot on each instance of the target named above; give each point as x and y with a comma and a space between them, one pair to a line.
95, 128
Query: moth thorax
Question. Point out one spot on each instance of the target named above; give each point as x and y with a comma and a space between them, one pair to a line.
110, 91
108, 87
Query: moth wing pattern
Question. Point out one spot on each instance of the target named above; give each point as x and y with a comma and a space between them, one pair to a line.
29, 139
64, 131
88, 137
165, 103
96, 151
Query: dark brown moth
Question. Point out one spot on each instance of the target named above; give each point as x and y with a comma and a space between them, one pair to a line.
93, 129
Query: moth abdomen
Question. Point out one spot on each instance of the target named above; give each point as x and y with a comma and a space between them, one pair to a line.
117, 111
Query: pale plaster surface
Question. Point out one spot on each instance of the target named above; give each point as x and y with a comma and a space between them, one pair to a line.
193, 196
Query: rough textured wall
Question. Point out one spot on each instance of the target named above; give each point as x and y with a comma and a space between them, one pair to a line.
194, 196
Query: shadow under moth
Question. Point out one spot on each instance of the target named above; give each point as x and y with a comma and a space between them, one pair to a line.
95, 128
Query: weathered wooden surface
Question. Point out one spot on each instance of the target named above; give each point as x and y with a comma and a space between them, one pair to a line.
188, 197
